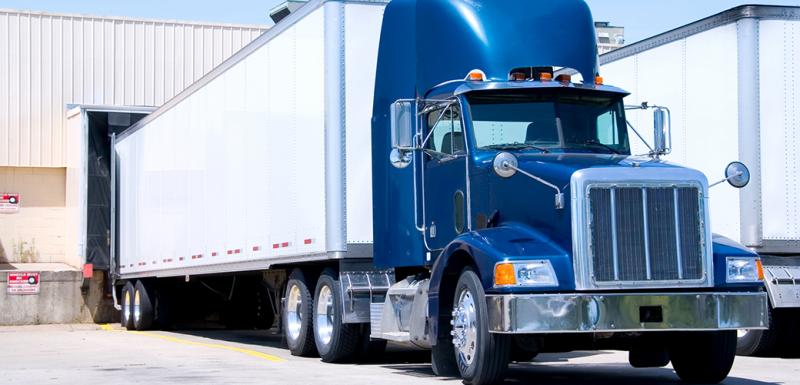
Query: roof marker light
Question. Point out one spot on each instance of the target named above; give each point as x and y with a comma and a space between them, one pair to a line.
564, 78
476, 76
598, 80
545, 76
517, 76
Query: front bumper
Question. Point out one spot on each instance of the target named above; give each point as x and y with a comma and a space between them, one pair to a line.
580, 313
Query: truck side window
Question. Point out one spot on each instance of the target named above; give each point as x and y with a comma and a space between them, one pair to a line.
607, 131
448, 136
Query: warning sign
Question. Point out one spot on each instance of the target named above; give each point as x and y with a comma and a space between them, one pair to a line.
23, 283
9, 203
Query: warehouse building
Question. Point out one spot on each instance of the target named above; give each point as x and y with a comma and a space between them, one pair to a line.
109, 72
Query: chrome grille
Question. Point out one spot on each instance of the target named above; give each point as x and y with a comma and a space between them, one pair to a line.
645, 233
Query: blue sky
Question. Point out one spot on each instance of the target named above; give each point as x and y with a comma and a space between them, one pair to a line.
641, 18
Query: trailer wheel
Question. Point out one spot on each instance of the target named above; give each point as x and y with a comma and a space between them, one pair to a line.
142, 307
761, 342
297, 316
703, 357
482, 357
336, 341
125, 315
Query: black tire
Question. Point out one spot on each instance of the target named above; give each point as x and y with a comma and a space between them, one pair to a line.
489, 359
146, 312
126, 302
299, 340
343, 342
703, 357
523, 349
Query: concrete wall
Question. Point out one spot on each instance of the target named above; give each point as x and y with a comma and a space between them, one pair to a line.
36, 233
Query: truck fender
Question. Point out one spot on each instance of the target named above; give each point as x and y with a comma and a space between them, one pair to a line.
482, 249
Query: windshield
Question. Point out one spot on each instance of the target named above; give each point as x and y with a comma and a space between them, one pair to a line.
567, 120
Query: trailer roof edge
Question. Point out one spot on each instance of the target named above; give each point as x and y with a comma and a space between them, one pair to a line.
237, 57
732, 15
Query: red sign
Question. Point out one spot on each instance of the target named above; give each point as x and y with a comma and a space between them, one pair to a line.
23, 283
9, 203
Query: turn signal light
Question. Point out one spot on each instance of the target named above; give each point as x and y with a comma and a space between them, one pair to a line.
504, 274
760, 269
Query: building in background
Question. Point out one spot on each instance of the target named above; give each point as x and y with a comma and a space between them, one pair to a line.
48, 63
609, 37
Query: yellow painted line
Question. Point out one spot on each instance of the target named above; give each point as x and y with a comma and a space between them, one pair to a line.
249, 352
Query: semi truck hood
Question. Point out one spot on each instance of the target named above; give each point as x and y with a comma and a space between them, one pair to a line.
523, 200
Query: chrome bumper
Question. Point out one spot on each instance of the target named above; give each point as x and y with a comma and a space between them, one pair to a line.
578, 313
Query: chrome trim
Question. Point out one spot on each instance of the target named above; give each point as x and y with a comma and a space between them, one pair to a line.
677, 233
633, 176
585, 313
645, 233
335, 132
614, 246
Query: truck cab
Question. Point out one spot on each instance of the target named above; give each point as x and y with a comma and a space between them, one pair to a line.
512, 194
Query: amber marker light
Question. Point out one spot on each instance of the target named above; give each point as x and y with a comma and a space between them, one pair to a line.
760, 268
545, 76
504, 275
598, 80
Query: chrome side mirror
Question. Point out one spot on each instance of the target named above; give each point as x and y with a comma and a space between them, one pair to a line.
661, 135
737, 174
400, 158
505, 165
403, 115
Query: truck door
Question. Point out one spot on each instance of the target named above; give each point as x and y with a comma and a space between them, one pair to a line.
444, 190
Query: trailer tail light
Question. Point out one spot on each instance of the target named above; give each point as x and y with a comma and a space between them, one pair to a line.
598, 80
476, 76
504, 275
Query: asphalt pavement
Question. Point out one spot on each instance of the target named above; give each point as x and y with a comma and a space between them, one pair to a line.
92, 354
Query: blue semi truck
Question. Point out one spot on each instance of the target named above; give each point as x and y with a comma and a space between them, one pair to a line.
447, 174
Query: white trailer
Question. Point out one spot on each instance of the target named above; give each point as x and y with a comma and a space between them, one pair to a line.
732, 82
259, 167
249, 167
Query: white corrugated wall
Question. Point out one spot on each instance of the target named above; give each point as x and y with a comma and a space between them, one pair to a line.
50, 60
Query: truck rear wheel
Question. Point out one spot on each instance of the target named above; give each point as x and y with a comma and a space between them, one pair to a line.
125, 315
297, 316
482, 357
703, 357
142, 307
336, 341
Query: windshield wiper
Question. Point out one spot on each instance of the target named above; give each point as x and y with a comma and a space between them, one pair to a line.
592, 142
516, 146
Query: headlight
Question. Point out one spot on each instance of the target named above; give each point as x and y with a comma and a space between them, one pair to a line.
743, 269
525, 273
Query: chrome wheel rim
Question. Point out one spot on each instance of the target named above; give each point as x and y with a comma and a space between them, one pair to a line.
324, 315
294, 314
137, 308
465, 328
126, 306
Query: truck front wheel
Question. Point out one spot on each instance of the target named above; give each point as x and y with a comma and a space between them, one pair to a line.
703, 357
297, 316
482, 357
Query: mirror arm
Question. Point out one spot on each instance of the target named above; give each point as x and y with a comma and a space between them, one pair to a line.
559, 194
738, 174
639, 135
